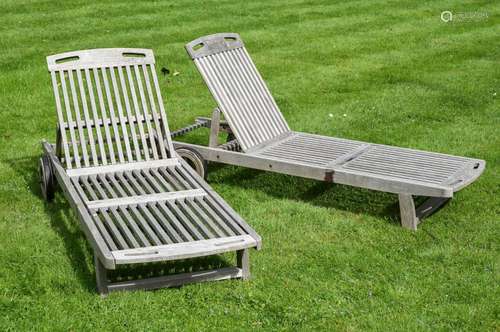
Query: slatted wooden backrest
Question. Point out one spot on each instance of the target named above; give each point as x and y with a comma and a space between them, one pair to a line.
238, 88
109, 107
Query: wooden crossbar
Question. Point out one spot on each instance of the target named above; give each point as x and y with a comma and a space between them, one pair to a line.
143, 199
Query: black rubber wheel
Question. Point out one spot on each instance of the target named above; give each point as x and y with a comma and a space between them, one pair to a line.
194, 159
47, 181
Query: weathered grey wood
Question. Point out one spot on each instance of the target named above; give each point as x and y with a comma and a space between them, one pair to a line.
184, 250
121, 115
112, 115
100, 276
195, 221
123, 167
60, 121
142, 199
390, 184
104, 116
214, 128
211, 224
115, 233
130, 117
78, 119
95, 118
256, 161
137, 112
90, 134
133, 207
243, 262
239, 90
222, 206
164, 130
69, 117
152, 102
100, 58
260, 128
177, 279
92, 233
145, 112
409, 219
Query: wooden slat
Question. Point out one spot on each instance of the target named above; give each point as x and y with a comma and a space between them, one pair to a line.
218, 203
171, 179
138, 176
154, 172
117, 213
124, 201
60, 120
115, 233
156, 120
223, 210
95, 118
137, 111
154, 222
195, 206
212, 214
145, 112
79, 190
195, 220
181, 230
119, 107
179, 177
192, 229
124, 228
163, 115
130, 117
69, 117
104, 116
104, 232
145, 233
78, 119
112, 114
88, 187
86, 116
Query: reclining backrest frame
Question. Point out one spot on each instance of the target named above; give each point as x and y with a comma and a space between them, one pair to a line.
109, 107
238, 88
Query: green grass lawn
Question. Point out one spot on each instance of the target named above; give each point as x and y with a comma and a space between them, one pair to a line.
334, 257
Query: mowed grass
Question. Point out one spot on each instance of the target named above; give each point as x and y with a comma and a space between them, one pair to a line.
333, 257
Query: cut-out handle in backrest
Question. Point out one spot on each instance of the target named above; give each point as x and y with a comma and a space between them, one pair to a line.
213, 44
238, 89
109, 107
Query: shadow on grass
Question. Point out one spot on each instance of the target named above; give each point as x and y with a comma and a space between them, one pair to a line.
318, 193
65, 223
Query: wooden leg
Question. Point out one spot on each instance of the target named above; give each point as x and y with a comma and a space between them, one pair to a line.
407, 209
243, 262
101, 277
214, 129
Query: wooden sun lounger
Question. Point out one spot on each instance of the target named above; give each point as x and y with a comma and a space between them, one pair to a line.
136, 201
263, 139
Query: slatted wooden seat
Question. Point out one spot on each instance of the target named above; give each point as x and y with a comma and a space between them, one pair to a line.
114, 159
263, 139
